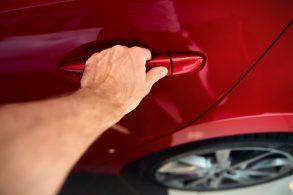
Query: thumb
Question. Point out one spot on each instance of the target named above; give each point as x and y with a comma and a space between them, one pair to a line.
156, 74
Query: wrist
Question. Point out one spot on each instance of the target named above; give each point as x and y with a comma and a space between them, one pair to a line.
96, 104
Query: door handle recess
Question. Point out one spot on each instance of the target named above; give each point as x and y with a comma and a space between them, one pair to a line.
176, 64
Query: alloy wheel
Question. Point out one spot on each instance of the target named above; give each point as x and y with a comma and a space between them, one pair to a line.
223, 168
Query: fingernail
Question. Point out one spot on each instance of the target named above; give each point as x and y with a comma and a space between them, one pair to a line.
164, 72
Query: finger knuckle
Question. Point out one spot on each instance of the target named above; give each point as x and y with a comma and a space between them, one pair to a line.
142, 51
135, 48
148, 89
119, 47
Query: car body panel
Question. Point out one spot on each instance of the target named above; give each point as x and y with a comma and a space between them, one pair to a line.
261, 103
37, 38
16, 5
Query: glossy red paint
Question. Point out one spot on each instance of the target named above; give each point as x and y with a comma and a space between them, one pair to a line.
162, 60
183, 63
73, 70
36, 38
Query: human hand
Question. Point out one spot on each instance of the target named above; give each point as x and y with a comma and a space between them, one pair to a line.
117, 76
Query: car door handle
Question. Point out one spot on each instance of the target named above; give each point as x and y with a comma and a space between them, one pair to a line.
176, 64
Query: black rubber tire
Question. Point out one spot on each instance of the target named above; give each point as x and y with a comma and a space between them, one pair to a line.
147, 166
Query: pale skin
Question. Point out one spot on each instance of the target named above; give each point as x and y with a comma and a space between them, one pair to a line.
41, 141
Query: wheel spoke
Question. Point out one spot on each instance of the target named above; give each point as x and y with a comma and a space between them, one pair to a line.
238, 177
196, 182
196, 161
223, 158
269, 163
216, 182
177, 168
251, 160
258, 173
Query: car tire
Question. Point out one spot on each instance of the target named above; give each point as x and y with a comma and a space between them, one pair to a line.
221, 157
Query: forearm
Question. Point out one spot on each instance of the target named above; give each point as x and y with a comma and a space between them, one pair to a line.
46, 138
41, 141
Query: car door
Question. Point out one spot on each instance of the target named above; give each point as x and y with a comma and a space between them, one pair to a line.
37, 38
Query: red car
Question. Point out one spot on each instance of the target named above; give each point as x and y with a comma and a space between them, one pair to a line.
222, 119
